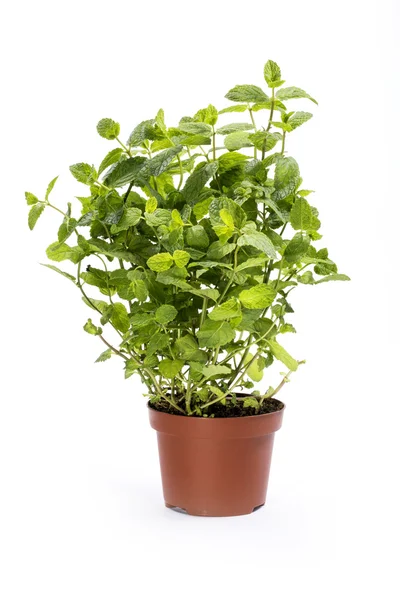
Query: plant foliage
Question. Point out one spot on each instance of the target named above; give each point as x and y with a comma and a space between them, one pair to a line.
190, 240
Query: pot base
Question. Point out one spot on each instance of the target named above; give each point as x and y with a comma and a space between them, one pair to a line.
196, 513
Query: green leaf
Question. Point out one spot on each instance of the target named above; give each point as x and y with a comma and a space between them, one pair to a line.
170, 368
196, 237
211, 115
141, 320
34, 214
108, 129
139, 289
259, 296
298, 118
144, 131
110, 159
57, 270
251, 263
59, 252
225, 129
151, 205
263, 140
119, 317
293, 92
228, 310
286, 178
30, 198
301, 216
131, 366
215, 333
160, 121
229, 160
215, 371
272, 75
89, 327
130, 217
256, 370
217, 250
181, 258
50, 187
160, 262
235, 108
197, 180
246, 93
282, 355
237, 140
159, 163
251, 402
227, 218
195, 128
104, 356
124, 172
83, 173
165, 314
334, 277
258, 240
297, 247
188, 349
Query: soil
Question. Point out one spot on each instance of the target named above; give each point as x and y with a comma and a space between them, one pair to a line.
220, 411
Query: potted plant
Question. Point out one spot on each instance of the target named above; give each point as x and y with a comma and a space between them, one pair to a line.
189, 243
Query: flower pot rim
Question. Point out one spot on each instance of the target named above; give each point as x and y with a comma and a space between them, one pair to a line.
207, 419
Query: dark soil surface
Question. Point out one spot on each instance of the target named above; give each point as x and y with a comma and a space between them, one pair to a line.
220, 411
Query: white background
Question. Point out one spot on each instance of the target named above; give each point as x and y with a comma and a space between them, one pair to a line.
81, 511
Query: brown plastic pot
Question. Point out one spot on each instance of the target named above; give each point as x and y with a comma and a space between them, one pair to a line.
215, 467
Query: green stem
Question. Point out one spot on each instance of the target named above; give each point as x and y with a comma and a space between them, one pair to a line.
255, 129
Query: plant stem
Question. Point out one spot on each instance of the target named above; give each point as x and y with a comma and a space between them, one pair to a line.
255, 128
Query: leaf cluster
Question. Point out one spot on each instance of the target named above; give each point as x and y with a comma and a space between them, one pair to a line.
188, 242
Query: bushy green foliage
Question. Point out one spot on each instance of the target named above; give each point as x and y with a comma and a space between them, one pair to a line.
196, 234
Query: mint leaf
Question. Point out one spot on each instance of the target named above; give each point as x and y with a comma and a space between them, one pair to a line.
298, 118
34, 214
282, 355
57, 270
286, 178
228, 310
165, 314
272, 75
50, 187
235, 108
110, 159
104, 356
301, 216
108, 129
258, 240
297, 247
160, 262
89, 327
144, 131
197, 180
246, 93
30, 198
215, 371
61, 251
124, 172
258, 296
130, 217
170, 368
196, 237
188, 349
237, 140
181, 258
215, 333
83, 173
293, 92
232, 127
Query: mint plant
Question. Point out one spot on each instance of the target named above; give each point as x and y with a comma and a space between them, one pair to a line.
194, 237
